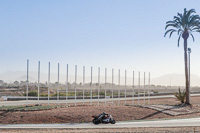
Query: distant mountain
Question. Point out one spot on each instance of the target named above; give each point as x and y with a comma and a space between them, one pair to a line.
11, 76
175, 80
24, 78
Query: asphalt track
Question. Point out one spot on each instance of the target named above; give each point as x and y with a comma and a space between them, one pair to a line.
194, 122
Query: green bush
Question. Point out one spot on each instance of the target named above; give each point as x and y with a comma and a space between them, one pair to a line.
180, 95
87, 93
43, 95
102, 93
155, 92
32, 93
60, 94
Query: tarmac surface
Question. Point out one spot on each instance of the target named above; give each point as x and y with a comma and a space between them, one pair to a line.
189, 122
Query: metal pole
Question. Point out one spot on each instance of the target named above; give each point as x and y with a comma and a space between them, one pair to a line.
138, 87
125, 87
112, 84
105, 82
83, 83
98, 83
119, 88
144, 88
38, 81
133, 89
189, 69
149, 97
189, 73
91, 88
148, 91
58, 83
48, 82
67, 85
75, 82
27, 81
149, 79
189, 51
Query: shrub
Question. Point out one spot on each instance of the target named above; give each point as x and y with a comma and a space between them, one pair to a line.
102, 93
32, 93
43, 95
180, 95
155, 92
60, 94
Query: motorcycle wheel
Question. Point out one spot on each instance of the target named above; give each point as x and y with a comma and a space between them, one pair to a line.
113, 121
95, 121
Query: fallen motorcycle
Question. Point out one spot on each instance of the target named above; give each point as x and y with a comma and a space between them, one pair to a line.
103, 118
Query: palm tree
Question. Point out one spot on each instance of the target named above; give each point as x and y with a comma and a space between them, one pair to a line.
184, 24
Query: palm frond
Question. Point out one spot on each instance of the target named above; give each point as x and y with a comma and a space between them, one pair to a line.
179, 31
193, 18
190, 12
195, 28
183, 22
170, 30
170, 22
178, 19
171, 33
192, 37
172, 25
179, 39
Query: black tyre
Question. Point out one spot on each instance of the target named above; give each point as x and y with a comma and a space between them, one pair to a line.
95, 121
113, 121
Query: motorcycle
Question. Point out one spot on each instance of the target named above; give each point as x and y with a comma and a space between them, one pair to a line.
103, 118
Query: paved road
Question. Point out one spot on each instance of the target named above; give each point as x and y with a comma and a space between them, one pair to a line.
24, 102
156, 123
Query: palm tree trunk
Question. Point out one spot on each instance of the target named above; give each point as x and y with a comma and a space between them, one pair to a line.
186, 73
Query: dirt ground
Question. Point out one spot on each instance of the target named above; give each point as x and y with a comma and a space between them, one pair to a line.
83, 113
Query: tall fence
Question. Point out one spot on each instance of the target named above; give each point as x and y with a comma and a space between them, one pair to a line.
97, 86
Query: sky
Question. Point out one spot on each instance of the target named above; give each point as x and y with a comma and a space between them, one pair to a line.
113, 34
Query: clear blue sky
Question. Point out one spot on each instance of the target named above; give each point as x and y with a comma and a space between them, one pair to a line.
125, 34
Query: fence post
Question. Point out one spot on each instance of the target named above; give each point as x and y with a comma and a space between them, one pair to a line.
67, 85
98, 83
119, 88
58, 83
38, 82
138, 88
75, 82
125, 87
27, 82
91, 88
83, 83
105, 83
48, 82
133, 89
144, 88
149, 88
112, 84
